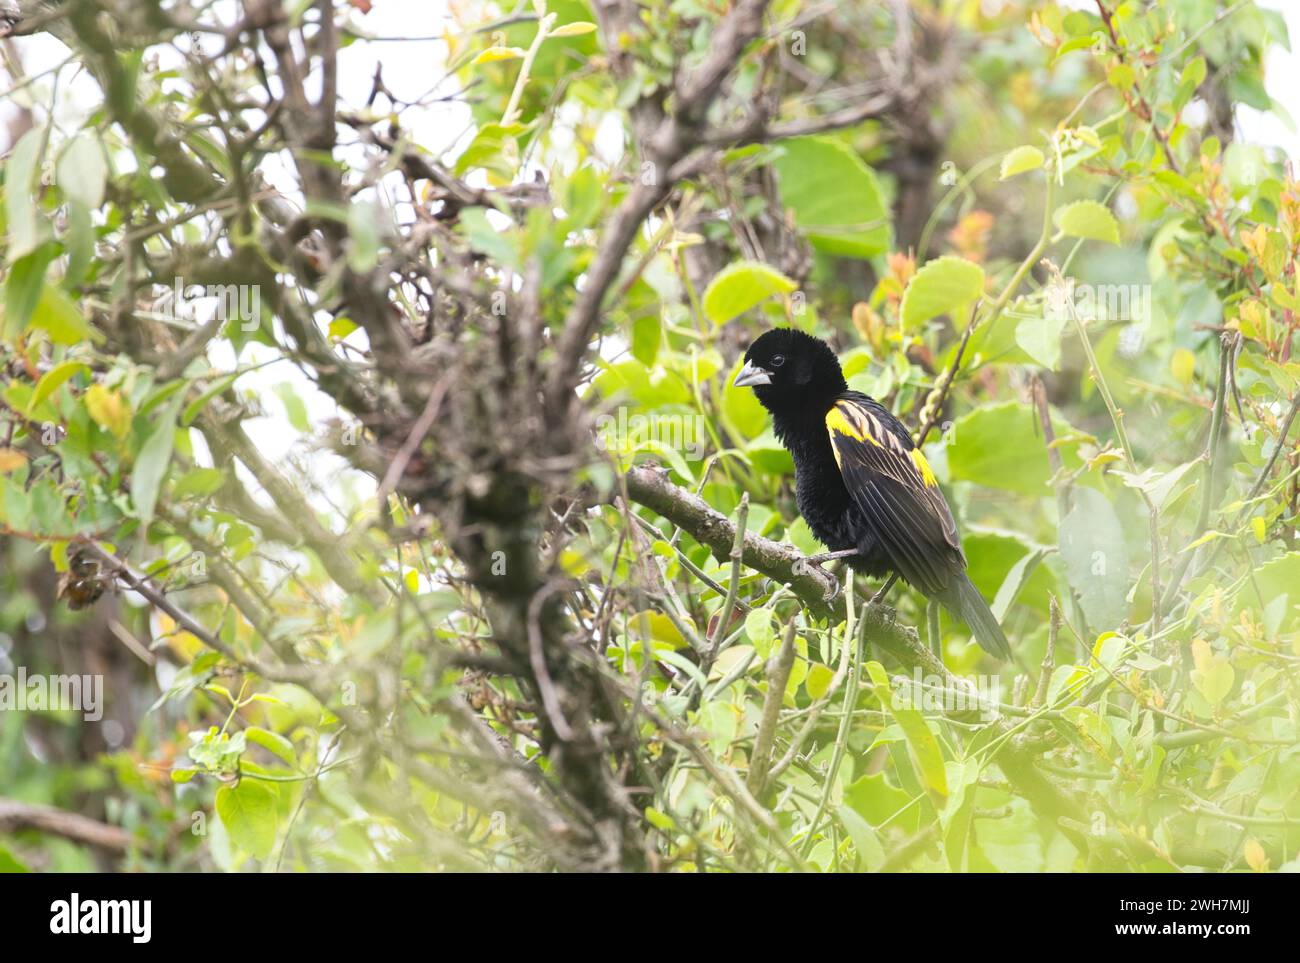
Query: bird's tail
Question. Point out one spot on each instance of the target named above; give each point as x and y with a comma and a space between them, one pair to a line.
963, 600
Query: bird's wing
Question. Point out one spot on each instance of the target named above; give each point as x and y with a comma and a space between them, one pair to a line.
891, 482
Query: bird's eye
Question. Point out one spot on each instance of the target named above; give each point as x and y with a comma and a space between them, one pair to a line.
778, 360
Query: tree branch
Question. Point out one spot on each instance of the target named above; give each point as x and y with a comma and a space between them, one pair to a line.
650, 487
15, 815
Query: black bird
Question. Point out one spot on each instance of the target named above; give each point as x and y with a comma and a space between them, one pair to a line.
864, 488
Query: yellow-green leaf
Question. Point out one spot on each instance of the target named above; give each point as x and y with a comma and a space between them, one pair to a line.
249, 813
52, 379
818, 682
495, 54
1087, 219
60, 317
1256, 857
942, 286
1183, 366
109, 410
738, 287
1021, 159
920, 740
151, 464
575, 29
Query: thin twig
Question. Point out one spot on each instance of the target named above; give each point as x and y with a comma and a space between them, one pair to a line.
733, 587
778, 675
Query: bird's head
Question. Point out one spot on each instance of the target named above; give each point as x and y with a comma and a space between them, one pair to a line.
792, 371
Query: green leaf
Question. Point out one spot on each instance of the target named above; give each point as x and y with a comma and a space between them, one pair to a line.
79, 240
980, 444
53, 379
921, 743
200, 481
959, 813
659, 820
1076, 43
663, 653
496, 54
293, 406
249, 813
1213, 675
272, 742
871, 854
720, 722
798, 534
646, 335
738, 287
1021, 159
575, 29
668, 453
1096, 557
108, 409
1041, 339
1012, 844
1273, 579
151, 465
23, 289
769, 455
60, 317
1194, 72
1121, 77
943, 286
27, 227
1016, 580
198, 404
82, 171
1157, 484
836, 199
1087, 219
494, 147
49, 508
341, 327
15, 504
875, 800
760, 626
485, 239
819, 680
10, 864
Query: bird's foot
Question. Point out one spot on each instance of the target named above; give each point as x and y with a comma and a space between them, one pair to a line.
825, 557
879, 597
834, 591
804, 566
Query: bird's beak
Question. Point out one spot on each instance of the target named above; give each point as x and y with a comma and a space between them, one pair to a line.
751, 375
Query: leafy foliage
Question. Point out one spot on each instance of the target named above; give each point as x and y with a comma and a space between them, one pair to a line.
365, 542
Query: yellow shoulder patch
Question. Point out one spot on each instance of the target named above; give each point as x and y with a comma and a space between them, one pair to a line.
836, 420
851, 422
923, 466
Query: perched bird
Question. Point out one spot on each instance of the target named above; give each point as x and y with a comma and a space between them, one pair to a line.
863, 487
85, 580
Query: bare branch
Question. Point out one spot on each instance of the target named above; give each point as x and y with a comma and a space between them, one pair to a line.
15, 815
